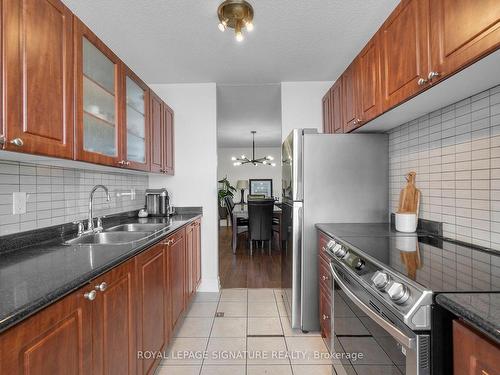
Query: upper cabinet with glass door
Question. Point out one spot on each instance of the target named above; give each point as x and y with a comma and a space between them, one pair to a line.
137, 127
98, 93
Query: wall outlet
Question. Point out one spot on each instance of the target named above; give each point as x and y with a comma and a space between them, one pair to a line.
18, 203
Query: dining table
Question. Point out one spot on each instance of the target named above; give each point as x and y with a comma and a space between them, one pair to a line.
241, 211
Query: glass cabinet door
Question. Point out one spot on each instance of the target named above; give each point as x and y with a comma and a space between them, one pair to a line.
100, 130
136, 122
98, 96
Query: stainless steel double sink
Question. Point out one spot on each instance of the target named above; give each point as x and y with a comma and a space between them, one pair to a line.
118, 235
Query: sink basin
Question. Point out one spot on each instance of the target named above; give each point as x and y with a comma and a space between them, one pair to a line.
137, 228
113, 238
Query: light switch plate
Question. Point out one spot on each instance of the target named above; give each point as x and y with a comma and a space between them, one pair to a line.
18, 203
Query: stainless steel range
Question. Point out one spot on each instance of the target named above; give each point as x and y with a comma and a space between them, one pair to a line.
383, 289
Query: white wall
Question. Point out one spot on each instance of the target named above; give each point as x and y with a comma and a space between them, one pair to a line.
301, 105
246, 172
195, 180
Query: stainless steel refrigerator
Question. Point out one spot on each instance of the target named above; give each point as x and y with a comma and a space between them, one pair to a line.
327, 178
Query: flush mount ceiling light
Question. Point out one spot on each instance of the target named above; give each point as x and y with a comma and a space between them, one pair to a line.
266, 160
236, 14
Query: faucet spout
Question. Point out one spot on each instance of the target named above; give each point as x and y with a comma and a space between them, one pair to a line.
90, 226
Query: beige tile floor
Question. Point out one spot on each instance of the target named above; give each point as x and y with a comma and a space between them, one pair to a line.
252, 338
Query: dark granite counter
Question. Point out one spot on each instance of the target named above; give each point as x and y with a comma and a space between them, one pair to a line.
376, 229
34, 276
360, 230
480, 310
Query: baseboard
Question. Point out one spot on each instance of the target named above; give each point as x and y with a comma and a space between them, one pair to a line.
209, 285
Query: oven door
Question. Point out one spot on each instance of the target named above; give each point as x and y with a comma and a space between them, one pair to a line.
367, 338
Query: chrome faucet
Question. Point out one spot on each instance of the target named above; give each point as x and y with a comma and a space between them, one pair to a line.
90, 226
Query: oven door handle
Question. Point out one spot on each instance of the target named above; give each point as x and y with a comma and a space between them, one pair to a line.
399, 336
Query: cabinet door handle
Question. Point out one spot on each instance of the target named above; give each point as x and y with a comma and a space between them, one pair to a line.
90, 295
422, 81
325, 317
121, 162
433, 75
17, 142
102, 286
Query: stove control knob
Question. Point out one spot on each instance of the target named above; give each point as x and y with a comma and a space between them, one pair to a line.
399, 293
330, 245
381, 280
360, 264
339, 251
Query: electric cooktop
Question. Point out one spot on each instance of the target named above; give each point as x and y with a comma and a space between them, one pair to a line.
436, 264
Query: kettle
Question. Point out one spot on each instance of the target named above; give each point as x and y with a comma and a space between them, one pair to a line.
157, 202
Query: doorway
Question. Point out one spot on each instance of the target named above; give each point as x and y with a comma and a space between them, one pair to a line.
248, 128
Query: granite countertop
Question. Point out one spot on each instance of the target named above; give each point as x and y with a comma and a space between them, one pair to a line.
377, 229
35, 276
360, 230
480, 310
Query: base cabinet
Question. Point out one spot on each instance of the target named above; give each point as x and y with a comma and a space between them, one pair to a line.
177, 270
193, 257
103, 327
473, 354
57, 340
114, 321
153, 327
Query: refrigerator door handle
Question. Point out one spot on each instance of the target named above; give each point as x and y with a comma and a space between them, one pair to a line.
297, 264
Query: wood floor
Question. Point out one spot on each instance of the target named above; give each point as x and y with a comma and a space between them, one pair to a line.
244, 271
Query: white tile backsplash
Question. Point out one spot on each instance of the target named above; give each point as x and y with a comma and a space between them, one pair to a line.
455, 152
59, 195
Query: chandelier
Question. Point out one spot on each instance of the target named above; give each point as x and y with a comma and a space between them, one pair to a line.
236, 14
266, 160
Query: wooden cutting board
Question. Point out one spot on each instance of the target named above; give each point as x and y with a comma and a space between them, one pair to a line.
409, 199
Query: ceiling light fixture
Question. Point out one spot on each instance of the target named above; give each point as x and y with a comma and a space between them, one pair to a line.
236, 14
266, 160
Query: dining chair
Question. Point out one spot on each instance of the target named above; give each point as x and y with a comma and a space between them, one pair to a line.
260, 221
241, 223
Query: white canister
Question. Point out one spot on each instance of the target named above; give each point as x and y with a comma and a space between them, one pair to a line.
406, 222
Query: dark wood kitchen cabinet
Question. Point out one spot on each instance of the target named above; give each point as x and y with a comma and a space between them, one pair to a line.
135, 148
162, 136
462, 31
168, 139
332, 109
327, 129
57, 340
176, 249
197, 251
92, 330
336, 107
157, 119
193, 256
405, 52
473, 354
350, 97
153, 320
114, 348
98, 89
100, 328
369, 82
38, 77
